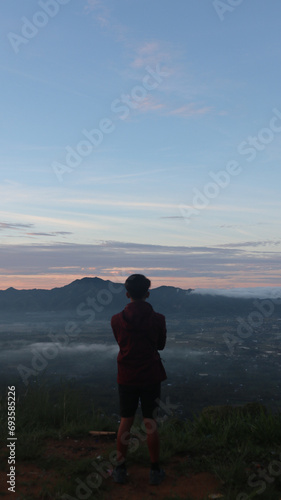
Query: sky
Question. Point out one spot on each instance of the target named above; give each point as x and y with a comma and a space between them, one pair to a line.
140, 137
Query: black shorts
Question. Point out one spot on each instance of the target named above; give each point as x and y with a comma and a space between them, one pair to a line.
129, 396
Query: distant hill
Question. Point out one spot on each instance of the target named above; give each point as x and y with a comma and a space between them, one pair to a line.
107, 298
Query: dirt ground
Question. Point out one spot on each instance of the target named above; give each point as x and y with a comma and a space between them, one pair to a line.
31, 478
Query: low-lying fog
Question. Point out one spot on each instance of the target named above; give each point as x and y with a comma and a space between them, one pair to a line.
200, 372
75, 359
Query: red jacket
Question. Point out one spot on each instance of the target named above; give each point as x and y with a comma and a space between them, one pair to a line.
140, 332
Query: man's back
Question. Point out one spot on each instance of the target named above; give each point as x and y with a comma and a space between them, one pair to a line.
140, 332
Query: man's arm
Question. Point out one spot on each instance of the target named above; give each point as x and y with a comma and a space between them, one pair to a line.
162, 336
114, 329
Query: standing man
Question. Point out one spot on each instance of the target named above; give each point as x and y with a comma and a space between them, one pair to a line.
140, 332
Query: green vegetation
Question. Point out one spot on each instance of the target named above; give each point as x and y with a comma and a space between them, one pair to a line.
240, 446
45, 411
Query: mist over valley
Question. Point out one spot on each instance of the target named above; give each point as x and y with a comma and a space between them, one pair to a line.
220, 350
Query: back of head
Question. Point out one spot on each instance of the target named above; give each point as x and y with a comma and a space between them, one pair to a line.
137, 286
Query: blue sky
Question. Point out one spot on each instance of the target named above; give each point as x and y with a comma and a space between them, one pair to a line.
140, 137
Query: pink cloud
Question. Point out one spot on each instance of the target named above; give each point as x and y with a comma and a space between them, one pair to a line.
149, 104
190, 110
93, 4
152, 53
102, 12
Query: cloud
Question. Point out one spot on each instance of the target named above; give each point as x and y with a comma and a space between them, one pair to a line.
265, 243
144, 54
39, 234
150, 104
228, 265
93, 5
152, 53
55, 233
114, 178
238, 226
246, 293
62, 232
144, 205
103, 15
75, 348
17, 226
173, 217
179, 87
189, 110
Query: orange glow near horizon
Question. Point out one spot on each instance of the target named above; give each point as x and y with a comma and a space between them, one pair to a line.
49, 281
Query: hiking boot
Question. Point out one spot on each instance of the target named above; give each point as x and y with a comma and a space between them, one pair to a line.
156, 476
119, 475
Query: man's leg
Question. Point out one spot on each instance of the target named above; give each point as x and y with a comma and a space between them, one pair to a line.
149, 402
152, 439
156, 474
128, 399
149, 396
123, 438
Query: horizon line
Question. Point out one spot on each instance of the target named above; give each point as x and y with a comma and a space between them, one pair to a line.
233, 291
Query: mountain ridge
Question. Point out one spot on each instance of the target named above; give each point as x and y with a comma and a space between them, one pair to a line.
108, 297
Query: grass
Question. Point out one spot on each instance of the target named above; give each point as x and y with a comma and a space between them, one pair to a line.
45, 412
242, 449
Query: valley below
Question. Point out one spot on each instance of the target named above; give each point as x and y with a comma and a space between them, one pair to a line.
214, 360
